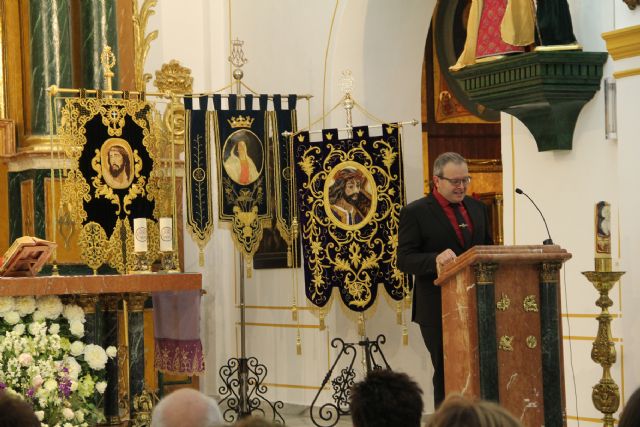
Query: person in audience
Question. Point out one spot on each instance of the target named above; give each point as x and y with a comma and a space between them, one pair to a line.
461, 411
254, 422
386, 398
631, 412
186, 407
15, 412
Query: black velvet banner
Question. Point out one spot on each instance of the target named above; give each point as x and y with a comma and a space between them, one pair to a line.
242, 156
349, 192
198, 173
116, 164
283, 120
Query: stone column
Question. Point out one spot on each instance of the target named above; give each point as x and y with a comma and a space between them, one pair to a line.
136, 345
50, 55
109, 336
98, 28
88, 304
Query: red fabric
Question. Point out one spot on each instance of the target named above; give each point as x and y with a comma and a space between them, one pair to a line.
489, 39
448, 211
244, 172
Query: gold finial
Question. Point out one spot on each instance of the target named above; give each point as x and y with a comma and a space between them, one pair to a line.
174, 78
108, 61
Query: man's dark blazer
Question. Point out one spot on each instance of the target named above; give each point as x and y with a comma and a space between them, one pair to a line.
424, 232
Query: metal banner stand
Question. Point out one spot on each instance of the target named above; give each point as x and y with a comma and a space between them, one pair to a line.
330, 413
243, 390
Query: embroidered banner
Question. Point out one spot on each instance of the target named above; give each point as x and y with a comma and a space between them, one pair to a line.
112, 150
284, 120
349, 193
242, 155
198, 173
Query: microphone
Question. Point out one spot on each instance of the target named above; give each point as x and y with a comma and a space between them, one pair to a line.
547, 241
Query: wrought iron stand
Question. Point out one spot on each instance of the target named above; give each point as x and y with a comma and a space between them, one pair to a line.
330, 413
243, 390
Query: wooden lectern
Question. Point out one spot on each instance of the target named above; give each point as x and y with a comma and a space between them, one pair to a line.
502, 331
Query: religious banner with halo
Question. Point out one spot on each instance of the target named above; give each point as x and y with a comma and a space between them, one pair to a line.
349, 193
241, 138
112, 148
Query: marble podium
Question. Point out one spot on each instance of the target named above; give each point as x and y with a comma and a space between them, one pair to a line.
502, 332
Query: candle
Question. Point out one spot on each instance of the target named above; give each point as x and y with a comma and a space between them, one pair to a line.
140, 234
166, 234
603, 229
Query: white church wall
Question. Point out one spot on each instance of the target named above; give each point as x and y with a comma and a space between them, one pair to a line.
566, 185
285, 42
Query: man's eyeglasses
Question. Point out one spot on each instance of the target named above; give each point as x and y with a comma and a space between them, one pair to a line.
457, 181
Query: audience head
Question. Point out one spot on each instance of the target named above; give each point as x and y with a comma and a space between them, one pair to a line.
16, 412
460, 411
386, 398
186, 407
254, 422
631, 411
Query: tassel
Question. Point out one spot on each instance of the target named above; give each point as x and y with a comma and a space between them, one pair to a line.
399, 312
405, 335
289, 257
322, 326
294, 312
298, 344
201, 258
361, 328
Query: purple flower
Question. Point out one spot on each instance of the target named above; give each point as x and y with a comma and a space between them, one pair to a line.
30, 392
2, 386
64, 386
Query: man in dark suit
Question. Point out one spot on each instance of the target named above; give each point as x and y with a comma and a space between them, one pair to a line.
433, 231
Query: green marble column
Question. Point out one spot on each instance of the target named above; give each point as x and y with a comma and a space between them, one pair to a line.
99, 28
550, 336
50, 50
487, 337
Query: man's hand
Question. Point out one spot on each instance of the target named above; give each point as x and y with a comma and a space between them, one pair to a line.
444, 258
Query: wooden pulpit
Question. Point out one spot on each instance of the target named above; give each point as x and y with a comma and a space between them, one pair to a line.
502, 332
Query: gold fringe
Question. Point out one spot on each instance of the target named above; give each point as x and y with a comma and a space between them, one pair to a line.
321, 315
294, 312
298, 344
405, 335
201, 258
289, 257
399, 312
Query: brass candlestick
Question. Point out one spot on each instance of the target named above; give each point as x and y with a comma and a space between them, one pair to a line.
168, 262
606, 394
141, 263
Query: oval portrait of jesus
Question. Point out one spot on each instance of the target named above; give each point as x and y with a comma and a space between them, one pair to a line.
116, 159
349, 195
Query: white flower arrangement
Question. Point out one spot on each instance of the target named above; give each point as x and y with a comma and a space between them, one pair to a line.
43, 361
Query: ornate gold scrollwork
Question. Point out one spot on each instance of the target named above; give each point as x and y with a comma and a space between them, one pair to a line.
485, 272
141, 40
503, 303
142, 408
116, 242
549, 272
605, 394
93, 242
531, 341
506, 343
529, 304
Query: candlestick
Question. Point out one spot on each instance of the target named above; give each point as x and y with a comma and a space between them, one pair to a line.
140, 235
166, 234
